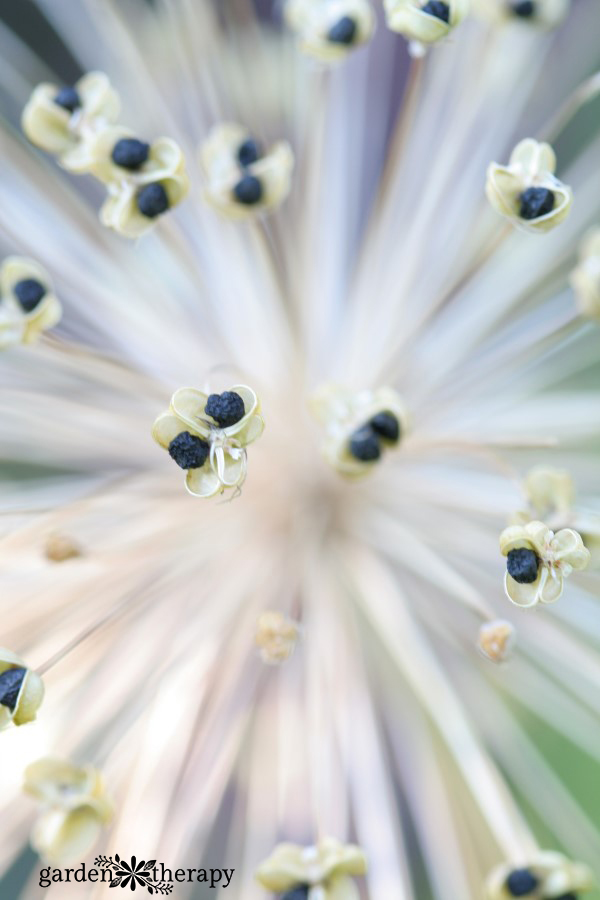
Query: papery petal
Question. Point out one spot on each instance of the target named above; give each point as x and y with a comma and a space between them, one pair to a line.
203, 482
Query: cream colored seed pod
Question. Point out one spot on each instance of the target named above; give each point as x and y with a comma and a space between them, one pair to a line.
531, 168
165, 166
22, 323
61, 547
326, 870
20, 699
550, 873
545, 14
225, 464
67, 134
585, 278
497, 640
415, 20
75, 808
342, 413
276, 637
558, 554
270, 174
329, 30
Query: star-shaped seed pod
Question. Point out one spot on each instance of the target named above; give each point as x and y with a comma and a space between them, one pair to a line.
585, 278
276, 637
75, 808
143, 180
21, 690
527, 192
548, 875
242, 177
28, 304
550, 495
538, 561
324, 872
545, 14
207, 435
425, 21
65, 121
497, 640
359, 426
330, 30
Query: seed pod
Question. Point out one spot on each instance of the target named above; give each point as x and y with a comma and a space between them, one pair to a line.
240, 182
21, 690
28, 304
546, 874
527, 191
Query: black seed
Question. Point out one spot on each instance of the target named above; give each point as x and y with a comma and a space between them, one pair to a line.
521, 882
10, 685
364, 444
343, 32
525, 9
189, 451
248, 190
226, 408
522, 565
130, 153
386, 426
152, 200
536, 202
297, 893
438, 9
249, 152
29, 292
68, 98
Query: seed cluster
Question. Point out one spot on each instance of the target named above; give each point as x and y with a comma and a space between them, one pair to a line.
366, 442
248, 190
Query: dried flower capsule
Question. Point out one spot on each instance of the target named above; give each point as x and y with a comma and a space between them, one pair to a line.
143, 180
585, 278
61, 547
329, 866
21, 690
497, 640
538, 561
241, 178
212, 451
546, 875
330, 31
276, 636
75, 808
425, 22
65, 122
359, 426
28, 305
526, 191
537, 13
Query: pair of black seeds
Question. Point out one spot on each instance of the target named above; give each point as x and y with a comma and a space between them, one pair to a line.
522, 882
131, 154
536, 202
438, 9
29, 292
365, 442
191, 452
249, 189
10, 686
